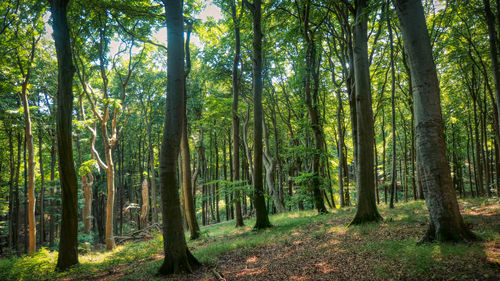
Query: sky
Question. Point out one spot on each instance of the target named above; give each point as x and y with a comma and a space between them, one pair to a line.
210, 10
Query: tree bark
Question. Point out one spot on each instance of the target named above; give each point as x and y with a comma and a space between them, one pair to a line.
262, 219
393, 120
490, 21
42, 187
187, 185
366, 207
68, 252
236, 119
177, 255
446, 223
31, 169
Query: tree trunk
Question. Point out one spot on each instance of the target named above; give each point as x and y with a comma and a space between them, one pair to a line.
31, 169
68, 245
177, 256
366, 207
262, 219
145, 203
446, 223
87, 182
42, 188
340, 149
393, 120
490, 21
187, 185
236, 120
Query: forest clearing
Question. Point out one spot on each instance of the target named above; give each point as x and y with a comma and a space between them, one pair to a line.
249, 140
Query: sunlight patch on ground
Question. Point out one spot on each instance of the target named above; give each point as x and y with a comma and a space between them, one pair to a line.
252, 259
250, 272
325, 267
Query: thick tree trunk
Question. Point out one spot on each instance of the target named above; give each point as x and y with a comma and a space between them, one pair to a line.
446, 223
177, 255
366, 207
490, 21
262, 219
68, 245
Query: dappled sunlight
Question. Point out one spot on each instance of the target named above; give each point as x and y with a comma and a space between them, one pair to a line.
325, 268
252, 259
250, 272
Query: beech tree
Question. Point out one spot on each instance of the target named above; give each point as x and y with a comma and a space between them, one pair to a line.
68, 245
366, 207
262, 220
177, 255
446, 223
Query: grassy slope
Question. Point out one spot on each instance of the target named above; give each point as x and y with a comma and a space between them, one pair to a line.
301, 246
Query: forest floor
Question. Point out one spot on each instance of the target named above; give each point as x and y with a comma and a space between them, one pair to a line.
306, 246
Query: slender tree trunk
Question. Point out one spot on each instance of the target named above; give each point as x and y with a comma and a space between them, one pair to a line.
42, 188
393, 122
236, 120
446, 223
12, 211
31, 170
340, 148
366, 207
87, 182
187, 185
53, 191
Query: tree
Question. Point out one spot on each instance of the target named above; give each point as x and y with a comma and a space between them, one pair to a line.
187, 185
177, 255
68, 245
366, 207
446, 223
236, 120
262, 220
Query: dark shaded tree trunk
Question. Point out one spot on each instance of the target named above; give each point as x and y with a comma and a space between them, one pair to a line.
446, 223
262, 219
490, 21
68, 245
366, 207
236, 119
177, 255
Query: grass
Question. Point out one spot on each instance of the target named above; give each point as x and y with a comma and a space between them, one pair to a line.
385, 251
